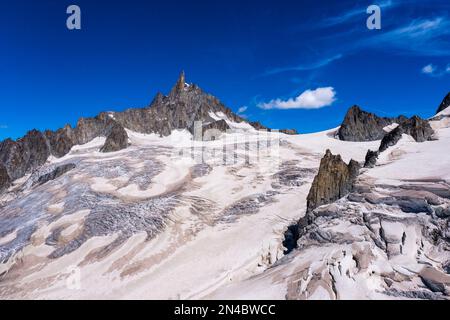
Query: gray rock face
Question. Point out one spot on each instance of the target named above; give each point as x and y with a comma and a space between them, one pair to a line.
445, 103
289, 131
416, 127
5, 180
12, 156
54, 174
116, 140
208, 131
36, 150
359, 125
391, 139
371, 159
185, 104
60, 141
21, 156
258, 125
333, 181
90, 128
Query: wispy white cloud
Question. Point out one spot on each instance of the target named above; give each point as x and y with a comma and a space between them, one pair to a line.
427, 37
350, 15
305, 67
242, 109
435, 71
309, 99
429, 69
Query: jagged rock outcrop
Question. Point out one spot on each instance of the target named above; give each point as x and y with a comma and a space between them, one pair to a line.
12, 157
19, 157
5, 180
416, 127
444, 104
35, 148
258, 125
60, 141
54, 174
180, 109
359, 125
90, 128
371, 159
209, 130
333, 181
185, 104
391, 139
289, 131
117, 139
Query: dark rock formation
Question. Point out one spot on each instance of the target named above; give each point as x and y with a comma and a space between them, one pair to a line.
185, 105
116, 140
258, 126
416, 127
289, 131
371, 159
333, 181
445, 103
391, 139
209, 130
25, 154
35, 148
5, 180
359, 125
12, 156
90, 128
54, 174
60, 141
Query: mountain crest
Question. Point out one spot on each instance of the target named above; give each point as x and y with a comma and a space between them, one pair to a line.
445, 103
180, 85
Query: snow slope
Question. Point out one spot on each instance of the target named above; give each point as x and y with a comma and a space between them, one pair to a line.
154, 221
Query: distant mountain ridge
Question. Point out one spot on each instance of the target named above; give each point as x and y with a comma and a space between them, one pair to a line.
180, 109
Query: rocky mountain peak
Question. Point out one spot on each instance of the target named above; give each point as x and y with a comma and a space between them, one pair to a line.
179, 85
359, 125
333, 181
444, 104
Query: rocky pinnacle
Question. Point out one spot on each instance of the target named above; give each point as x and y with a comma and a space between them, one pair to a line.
333, 181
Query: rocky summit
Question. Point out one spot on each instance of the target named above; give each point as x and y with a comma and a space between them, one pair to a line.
185, 105
359, 125
117, 139
333, 181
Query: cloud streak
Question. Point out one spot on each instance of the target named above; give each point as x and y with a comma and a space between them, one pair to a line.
433, 71
309, 99
242, 109
305, 67
427, 37
349, 16
429, 69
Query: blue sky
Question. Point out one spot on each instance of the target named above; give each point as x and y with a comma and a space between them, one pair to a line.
289, 64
